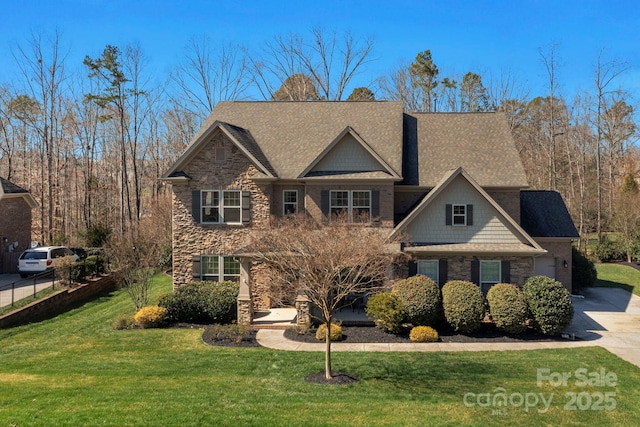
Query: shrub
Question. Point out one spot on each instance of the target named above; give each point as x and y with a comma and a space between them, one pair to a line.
583, 272
463, 305
423, 334
203, 302
385, 309
234, 333
336, 332
609, 250
549, 303
508, 308
150, 316
124, 321
420, 298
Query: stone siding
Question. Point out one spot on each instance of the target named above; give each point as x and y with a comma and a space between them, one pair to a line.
314, 191
191, 238
459, 267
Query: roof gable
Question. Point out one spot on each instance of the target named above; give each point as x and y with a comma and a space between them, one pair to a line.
292, 135
240, 137
10, 190
348, 155
491, 224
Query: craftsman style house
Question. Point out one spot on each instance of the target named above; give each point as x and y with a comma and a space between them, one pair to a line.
452, 184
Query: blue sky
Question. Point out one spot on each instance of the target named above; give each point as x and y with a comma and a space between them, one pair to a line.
486, 37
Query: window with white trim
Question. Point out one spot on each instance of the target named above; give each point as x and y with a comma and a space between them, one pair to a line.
490, 274
356, 204
429, 268
289, 202
217, 268
221, 206
459, 215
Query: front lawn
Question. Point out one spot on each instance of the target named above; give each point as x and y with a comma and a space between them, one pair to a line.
75, 370
618, 276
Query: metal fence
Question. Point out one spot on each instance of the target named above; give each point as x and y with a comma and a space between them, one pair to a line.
23, 288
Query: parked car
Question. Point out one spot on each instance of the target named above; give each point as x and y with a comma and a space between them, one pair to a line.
40, 259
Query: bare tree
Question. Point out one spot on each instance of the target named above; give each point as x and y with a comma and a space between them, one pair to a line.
330, 60
605, 74
326, 263
206, 76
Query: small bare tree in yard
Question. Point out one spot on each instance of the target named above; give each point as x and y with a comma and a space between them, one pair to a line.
135, 255
326, 262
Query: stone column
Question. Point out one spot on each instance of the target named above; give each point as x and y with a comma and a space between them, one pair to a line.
245, 303
303, 306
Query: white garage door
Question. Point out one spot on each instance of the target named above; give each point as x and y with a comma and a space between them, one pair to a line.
545, 266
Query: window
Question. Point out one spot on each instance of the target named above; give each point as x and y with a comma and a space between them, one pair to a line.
429, 268
459, 215
356, 204
489, 274
211, 268
290, 202
221, 207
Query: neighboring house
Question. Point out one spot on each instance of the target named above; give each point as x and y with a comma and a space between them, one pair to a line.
16, 204
451, 184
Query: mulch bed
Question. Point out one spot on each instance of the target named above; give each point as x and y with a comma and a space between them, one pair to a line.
370, 334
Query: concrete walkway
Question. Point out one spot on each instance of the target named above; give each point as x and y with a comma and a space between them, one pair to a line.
606, 317
22, 288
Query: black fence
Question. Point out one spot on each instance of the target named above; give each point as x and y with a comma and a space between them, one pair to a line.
30, 286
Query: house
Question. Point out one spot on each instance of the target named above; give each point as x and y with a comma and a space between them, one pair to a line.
452, 184
16, 204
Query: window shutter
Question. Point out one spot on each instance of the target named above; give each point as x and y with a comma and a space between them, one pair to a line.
475, 271
443, 276
246, 207
413, 268
375, 203
448, 212
505, 266
469, 214
195, 205
324, 202
195, 268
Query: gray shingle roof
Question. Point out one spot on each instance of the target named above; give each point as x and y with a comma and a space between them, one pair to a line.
9, 187
544, 214
293, 134
481, 143
244, 137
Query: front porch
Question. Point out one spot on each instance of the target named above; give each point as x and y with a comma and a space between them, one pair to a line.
285, 318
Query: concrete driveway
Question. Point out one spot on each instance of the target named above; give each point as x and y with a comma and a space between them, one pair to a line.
22, 288
609, 317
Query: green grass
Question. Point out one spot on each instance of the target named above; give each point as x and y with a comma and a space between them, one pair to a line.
75, 370
618, 276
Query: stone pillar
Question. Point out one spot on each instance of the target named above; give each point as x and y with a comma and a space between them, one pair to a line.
303, 306
245, 303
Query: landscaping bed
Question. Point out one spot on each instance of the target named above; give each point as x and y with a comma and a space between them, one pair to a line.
371, 334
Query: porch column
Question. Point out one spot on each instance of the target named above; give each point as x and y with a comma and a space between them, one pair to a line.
303, 306
245, 303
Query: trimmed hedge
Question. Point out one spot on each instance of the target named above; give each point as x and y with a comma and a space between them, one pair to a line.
386, 310
583, 272
203, 302
421, 299
463, 305
549, 303
336, 332
508, 308
423, 334
150, 316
